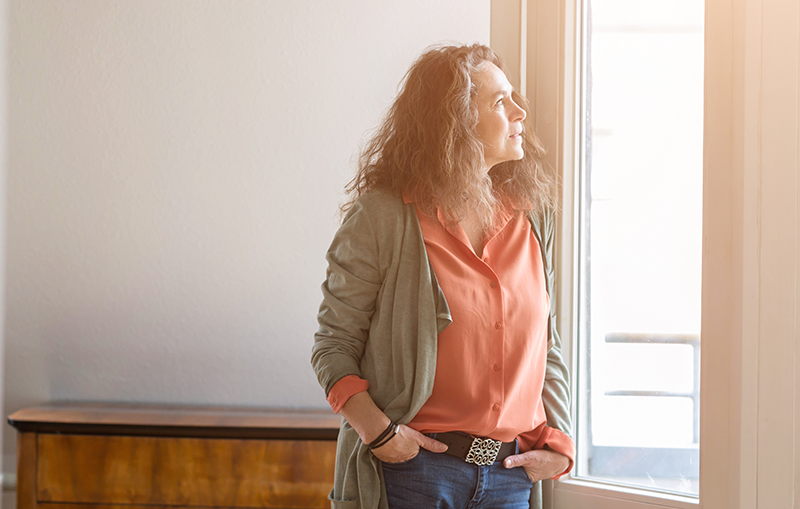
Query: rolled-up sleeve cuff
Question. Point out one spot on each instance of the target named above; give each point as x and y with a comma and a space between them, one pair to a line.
344, 389
557, 441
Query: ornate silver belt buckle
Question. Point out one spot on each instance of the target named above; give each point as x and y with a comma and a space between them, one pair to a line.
483, 451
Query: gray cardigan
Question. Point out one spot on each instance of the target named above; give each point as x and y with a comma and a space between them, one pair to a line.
380, 317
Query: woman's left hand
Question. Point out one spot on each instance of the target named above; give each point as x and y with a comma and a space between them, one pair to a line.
539, 464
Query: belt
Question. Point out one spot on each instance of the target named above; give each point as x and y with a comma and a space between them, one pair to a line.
476, 450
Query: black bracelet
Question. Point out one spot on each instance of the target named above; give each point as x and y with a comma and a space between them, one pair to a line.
391, 436
381, 436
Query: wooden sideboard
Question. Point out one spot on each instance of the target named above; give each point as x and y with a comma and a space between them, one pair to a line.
93, 456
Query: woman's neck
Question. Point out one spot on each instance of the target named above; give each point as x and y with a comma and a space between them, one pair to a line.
476, 232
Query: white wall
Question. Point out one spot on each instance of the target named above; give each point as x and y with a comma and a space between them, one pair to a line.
173, 181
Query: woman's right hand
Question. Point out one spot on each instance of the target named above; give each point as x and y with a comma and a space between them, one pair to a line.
405, 445
369, 422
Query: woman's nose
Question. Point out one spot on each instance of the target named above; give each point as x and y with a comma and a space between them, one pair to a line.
519, 115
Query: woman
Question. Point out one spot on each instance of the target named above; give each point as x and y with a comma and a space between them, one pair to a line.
436, 340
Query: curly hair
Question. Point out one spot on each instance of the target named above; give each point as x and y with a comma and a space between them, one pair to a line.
427, 146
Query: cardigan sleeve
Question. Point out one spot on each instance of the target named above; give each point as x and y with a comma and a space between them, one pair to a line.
349, 292
555, 395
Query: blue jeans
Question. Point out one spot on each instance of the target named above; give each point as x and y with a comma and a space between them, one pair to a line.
438, 480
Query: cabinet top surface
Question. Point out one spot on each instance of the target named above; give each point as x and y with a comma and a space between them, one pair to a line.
171, 419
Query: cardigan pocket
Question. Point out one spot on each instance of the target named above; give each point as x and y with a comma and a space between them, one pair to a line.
342, 504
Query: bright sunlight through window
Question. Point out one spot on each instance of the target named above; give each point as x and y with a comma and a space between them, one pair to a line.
640, 244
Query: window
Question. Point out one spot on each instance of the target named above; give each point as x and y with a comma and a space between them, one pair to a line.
639, 244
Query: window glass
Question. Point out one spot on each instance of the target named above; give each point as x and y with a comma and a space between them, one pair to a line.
640, 243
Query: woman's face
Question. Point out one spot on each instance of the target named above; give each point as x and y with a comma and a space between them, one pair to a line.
499, 117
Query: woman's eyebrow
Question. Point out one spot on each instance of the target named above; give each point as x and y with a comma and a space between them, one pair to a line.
502, 92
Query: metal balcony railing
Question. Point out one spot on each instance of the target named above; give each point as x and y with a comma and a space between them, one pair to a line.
653, 462
692, 340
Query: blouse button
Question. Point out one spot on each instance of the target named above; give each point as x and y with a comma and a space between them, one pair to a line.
495, 407
497, 367
493, 284
497, 325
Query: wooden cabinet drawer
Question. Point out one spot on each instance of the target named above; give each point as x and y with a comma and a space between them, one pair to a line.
137, 470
